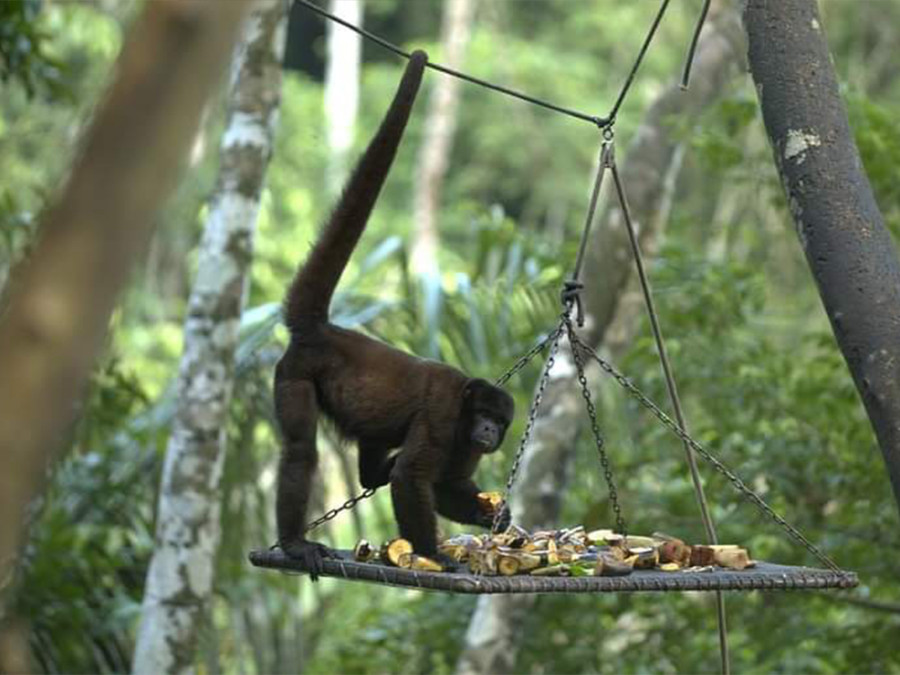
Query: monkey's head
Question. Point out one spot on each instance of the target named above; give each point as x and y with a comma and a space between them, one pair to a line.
486, 414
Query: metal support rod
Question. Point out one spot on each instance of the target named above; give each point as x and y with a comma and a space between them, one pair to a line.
592, 209
676, 403
664, 357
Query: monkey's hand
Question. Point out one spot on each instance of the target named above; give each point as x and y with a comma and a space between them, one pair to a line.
372, 476
487, 519
311, 553
384, 474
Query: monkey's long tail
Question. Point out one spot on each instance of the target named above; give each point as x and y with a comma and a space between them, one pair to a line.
310, 293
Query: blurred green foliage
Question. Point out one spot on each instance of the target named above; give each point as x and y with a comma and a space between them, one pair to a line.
763, 382
23, 48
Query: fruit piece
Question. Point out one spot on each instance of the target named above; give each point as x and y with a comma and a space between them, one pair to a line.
603, 537
609, 566
489, 502
508, 565
669, 567
424, 564
633, 541
675, 551
392, 550
457, 552
528, 561
732, 557
645, 558
702, 556
484, 561
363, 551
567, 553
552, 555
551, 571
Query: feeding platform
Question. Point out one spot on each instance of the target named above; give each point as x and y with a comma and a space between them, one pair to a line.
762, 577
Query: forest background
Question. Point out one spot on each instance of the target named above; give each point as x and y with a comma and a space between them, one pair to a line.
763, 381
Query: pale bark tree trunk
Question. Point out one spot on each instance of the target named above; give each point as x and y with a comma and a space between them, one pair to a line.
849, 250
440, 126
59, 308
492, 639
342, 87
342, 82
180, 578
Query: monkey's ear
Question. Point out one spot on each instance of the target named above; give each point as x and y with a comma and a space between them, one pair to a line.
472, 385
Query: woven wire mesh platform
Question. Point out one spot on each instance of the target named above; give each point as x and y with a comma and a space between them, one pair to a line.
764, 576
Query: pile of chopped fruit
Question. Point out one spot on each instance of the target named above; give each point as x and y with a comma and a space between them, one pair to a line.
574, 552
568, 552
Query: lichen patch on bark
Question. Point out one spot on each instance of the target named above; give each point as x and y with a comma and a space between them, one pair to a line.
798, 142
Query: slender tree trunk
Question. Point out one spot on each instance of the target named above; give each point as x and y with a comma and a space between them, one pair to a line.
440, 126
58, 311
180, 578
847, 246
492, 640
342, 87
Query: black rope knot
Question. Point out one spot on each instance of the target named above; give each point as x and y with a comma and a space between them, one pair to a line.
571, 295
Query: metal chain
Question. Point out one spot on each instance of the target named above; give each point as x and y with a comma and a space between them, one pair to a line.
621, 527
532, 414
332, 513
738, 484
523, 361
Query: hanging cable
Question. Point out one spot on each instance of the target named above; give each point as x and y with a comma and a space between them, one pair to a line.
689, 61
600, 122
637, 62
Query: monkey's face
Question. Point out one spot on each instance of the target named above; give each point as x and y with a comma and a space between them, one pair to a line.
488, 411
487, 433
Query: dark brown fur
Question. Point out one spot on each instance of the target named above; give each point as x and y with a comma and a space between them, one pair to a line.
441, 420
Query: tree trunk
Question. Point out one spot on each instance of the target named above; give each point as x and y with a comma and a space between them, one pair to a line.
440, 125
342, 87
847, 246
58, 311
491, 642
180, 578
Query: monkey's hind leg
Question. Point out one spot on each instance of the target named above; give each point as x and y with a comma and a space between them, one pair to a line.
298, 414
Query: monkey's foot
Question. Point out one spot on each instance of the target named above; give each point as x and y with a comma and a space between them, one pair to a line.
310, 552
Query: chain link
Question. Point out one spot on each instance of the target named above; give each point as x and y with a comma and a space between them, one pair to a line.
621, 528
739, 485
530, 354
332, 513
554, 338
